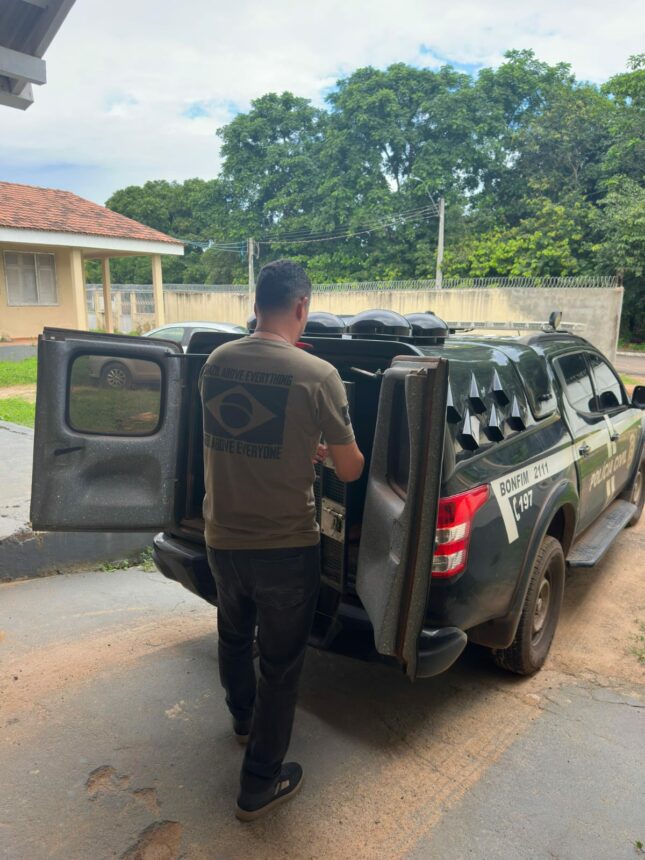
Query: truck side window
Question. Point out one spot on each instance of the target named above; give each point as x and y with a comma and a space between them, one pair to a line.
577, 382
399, 453
608, 387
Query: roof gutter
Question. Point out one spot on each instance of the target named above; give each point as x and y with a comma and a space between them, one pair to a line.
100, 244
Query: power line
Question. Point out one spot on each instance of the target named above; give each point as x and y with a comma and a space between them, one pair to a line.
363, 230
306, 233
302, 237
234, 247
350, 234
398, 217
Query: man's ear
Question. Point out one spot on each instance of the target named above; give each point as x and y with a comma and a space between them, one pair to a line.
301, 308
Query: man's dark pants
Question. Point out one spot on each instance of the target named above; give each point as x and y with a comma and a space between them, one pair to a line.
276, 589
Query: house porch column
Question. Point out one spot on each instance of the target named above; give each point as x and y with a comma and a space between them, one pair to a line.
107, 294
157, 289
77, 279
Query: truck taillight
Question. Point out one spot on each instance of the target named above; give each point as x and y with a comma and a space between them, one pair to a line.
454, 523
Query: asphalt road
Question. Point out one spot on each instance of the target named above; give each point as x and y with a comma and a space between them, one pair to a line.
631, 363
116, 742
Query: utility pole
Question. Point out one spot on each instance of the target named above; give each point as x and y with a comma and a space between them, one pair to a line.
439, 275
250, 250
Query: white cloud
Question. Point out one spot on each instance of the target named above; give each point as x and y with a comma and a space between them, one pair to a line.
126, 75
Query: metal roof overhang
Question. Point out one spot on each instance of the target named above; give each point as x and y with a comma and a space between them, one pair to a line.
27, 28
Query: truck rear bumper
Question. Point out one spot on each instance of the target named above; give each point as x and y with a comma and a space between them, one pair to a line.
438, 650
187, 564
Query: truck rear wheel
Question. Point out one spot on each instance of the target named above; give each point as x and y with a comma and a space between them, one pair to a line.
540, 613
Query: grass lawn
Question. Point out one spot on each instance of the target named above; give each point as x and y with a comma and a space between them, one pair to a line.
18, 411
18, 372
101, 410
92, 409
631, 347
628, 380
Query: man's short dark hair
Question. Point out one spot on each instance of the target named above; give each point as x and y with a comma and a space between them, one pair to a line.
280, 285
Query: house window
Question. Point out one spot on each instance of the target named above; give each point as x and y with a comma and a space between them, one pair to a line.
31, 279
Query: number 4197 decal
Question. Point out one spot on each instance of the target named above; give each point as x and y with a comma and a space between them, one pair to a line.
522, 503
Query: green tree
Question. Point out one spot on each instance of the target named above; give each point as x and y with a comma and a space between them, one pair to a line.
541, 174
626, 152
552, 240
270, 164
623, 249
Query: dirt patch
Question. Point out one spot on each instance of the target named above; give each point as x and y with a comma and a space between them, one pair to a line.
104, 780
600, 614
147, 797
160, 841
27, 392
29, 679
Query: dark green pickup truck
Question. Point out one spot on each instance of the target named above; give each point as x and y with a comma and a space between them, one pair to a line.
492, 463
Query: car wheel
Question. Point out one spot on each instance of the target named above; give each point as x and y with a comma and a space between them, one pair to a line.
636, 495
116, 375
540, 613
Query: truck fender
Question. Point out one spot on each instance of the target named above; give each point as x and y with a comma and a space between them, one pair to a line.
500, 632
638, 459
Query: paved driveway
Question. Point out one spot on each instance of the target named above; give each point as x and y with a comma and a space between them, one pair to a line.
632, 364
116, 742
16, 444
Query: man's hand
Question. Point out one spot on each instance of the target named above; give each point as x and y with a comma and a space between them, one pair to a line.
321, 454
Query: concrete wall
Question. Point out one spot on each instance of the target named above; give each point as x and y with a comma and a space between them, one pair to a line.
27, 321
598, 308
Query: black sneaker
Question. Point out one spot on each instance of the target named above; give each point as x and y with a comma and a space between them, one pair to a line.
242, 730
255, 805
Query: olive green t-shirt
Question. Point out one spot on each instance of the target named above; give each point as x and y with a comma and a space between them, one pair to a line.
266, 404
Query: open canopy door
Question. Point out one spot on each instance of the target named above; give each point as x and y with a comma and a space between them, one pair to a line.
108, 417
399, 521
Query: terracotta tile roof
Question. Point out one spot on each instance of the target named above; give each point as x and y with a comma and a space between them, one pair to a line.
27, 207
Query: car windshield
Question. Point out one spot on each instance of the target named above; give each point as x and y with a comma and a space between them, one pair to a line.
169, 332
175, 333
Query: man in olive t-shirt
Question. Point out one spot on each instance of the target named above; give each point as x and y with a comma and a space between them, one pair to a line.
266, 403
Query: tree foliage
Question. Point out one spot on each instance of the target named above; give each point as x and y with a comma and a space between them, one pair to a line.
542, 175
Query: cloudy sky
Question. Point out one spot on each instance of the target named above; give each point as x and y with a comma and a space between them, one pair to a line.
137, 88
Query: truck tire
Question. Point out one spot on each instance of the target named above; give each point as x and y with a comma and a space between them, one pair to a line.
540, 613
636, 495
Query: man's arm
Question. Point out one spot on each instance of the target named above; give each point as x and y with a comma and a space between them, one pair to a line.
348, 461
336, 427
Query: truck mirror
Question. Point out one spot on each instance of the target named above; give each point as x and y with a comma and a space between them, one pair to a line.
638, 397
